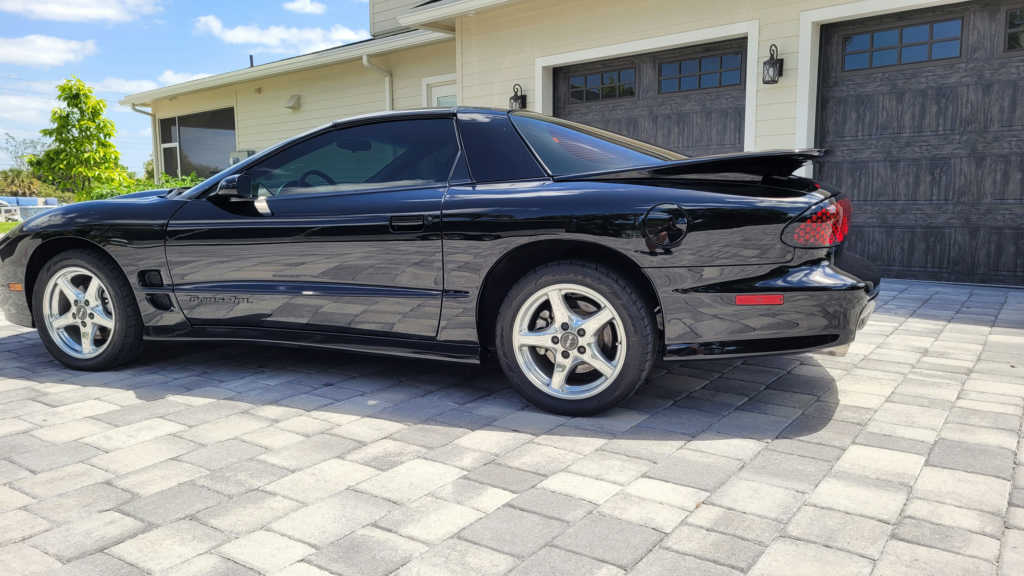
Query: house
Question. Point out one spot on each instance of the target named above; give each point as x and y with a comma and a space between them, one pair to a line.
921, 102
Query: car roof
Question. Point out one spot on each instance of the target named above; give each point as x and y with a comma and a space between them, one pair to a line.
420, 113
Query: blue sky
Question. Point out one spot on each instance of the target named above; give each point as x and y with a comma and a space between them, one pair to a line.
124, 46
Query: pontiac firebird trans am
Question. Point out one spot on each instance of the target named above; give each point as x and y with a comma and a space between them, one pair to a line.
576, 256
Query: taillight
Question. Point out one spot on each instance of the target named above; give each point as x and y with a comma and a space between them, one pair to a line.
822, 225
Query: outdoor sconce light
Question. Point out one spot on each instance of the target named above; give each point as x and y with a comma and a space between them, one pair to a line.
294, 102
518, 99
772, 66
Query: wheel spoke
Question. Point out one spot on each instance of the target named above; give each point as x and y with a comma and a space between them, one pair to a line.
70, 292
561, 372
560, 312
63, 321
92, 291
101, 318
593, 323
88, 338
595, 358
537, 339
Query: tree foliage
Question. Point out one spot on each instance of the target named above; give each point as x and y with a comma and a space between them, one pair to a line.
82, 156
21, 149
19, 182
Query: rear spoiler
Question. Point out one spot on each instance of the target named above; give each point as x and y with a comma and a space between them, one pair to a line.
740, 166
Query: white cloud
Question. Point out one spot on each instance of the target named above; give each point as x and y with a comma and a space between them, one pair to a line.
123, 86
280, 39
26, 108
43, 51
172, 77
81, 10
305, 7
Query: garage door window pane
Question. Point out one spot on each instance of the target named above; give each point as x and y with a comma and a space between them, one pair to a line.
602, 85
948, 29
708, 72
856, 61
883, 58
1015, 29
730, 61
577, 83
887, 38
670, 69
948, 49
670, 84
730, 78
689, 83
913, 34
710, 64
690, 67
917, 53
708, 80
858, 43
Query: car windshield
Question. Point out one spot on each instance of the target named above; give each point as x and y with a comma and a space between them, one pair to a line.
569, 148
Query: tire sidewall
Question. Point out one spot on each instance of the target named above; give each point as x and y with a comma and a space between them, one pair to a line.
636, 323
123, 339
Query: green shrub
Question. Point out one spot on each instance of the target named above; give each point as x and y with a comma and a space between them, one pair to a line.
127, 185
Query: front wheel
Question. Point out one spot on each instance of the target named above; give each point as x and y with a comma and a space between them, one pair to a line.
85, 311
575, 338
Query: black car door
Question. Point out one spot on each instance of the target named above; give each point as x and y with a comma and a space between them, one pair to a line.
337, 232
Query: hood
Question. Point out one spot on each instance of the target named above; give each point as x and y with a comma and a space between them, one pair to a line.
143, 194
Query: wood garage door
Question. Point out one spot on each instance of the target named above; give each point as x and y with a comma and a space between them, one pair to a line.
690, 100
923, 113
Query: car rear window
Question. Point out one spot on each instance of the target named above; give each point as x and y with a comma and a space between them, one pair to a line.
569, 148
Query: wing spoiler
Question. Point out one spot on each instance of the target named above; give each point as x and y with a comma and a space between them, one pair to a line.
740, 166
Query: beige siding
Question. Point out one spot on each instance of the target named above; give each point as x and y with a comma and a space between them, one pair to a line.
499, 47
384, 14
327, 94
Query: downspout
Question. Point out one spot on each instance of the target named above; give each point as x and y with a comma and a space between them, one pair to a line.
157, 160
387, 80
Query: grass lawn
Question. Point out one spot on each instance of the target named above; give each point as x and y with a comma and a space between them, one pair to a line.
7, 227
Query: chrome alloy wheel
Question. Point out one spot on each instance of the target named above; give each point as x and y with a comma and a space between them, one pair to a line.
78, 313
569, 341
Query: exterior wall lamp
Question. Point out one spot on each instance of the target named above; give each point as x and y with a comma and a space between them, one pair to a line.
518, 99
772, 66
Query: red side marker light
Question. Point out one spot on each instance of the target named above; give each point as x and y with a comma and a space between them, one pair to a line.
759, 299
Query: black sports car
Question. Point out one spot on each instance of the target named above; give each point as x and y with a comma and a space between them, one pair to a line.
577, 256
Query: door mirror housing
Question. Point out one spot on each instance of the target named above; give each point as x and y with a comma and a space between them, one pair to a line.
236, 187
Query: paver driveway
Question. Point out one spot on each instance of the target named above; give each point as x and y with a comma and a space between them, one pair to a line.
899, 458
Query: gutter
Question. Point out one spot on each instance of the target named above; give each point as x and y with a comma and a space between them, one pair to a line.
423, 16
326, 57
157, 161
388, 103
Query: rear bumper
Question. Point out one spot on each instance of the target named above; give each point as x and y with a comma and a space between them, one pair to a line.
823, 305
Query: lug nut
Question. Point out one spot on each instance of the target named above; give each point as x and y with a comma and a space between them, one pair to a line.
581, 332
565, 353
83, 324
91, 316
581, 350
554, 339
565, 325
86, 302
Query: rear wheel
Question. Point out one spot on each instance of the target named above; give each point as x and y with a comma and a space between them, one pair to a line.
85, 311
575, 338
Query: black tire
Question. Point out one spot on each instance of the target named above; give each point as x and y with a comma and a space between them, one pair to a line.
126, 343
638, 323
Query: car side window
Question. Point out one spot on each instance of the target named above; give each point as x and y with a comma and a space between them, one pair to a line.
401, 153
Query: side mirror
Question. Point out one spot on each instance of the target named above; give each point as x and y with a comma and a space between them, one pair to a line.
237, 187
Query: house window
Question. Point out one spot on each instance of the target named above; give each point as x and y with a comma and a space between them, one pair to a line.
197, 143
1015, 29
906, 45
603, 85
704, 72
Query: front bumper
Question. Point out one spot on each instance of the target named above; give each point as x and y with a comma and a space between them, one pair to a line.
823, 305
